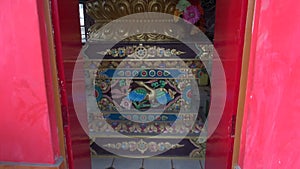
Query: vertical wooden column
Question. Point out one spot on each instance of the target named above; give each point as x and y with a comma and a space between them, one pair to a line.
29, 124
270, 132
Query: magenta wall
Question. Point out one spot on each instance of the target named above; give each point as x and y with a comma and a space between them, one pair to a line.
270, 134
26, 111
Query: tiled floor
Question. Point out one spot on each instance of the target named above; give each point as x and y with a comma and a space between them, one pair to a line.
126, 163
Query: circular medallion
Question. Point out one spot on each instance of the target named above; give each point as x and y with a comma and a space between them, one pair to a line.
152, 73
159, 73
144, 73
141, 52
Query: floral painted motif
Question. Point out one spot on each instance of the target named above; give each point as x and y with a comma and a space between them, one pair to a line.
126, 103
191, 14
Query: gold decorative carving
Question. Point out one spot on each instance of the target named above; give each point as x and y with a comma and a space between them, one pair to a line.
141, 52
143, 146
118, 31
196, 142
107, 10
149, 37
200, 151
100, 128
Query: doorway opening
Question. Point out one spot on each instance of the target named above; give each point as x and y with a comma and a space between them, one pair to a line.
157, 93
124, 104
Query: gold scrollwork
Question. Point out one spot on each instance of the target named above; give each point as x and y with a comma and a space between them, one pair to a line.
149, 37
196, 142
200, 151
142, 146
118, 31
141, 52
98, 126
107, 10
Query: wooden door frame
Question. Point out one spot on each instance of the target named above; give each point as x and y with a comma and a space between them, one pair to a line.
243, 83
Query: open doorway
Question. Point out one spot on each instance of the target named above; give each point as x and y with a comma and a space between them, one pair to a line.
125, 105
188, 148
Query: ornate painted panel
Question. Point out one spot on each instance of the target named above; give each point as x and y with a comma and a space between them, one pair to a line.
144, 87
132, 89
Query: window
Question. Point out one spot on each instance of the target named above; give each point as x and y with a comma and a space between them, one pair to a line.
83, 29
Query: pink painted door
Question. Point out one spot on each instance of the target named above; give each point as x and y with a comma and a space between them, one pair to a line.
273, 88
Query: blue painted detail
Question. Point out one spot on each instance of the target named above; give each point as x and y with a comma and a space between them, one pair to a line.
163, 97
174, 73
124, 146
164, 117
109, 73
137, 95
162, 147
99, 93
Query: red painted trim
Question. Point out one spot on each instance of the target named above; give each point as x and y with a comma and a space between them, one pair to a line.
67, 37
229, 43
61, 80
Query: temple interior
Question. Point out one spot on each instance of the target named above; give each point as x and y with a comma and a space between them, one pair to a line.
148, 95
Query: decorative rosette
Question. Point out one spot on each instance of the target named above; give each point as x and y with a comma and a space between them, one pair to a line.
191, 11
